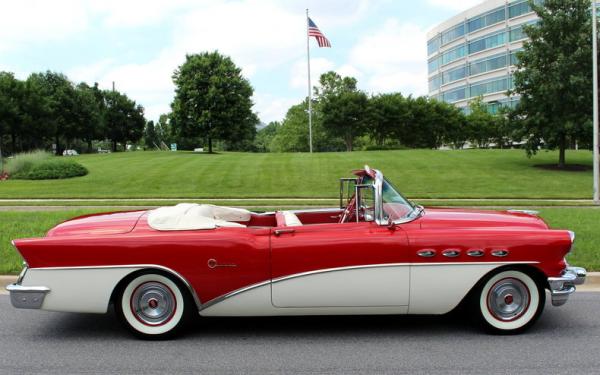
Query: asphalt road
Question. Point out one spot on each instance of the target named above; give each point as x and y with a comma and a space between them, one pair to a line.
565, 340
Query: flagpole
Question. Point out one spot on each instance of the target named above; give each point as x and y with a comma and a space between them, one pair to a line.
309, 87
596, 151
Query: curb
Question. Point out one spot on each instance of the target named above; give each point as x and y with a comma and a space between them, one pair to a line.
592, 282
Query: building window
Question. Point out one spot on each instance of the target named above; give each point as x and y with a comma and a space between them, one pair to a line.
453, 54
513, 56
487, 42
434, 64
453, 33
433, 45
435, 82
454, 75
518, 8
455, 95
487, 19
488, 87
488, 64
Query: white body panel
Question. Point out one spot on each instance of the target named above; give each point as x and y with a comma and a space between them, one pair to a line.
379, 285
257, 302
85, 290
434, 288
438, 288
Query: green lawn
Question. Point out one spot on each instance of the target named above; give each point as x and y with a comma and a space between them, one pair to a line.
418, 173
584, 221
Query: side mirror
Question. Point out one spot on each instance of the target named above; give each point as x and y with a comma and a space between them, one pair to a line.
391, 226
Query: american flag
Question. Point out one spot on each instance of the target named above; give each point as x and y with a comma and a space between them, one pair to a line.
313, 30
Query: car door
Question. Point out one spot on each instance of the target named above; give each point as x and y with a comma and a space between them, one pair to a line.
339, 265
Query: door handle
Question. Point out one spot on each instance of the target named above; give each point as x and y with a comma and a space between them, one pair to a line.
428, 253
279, 232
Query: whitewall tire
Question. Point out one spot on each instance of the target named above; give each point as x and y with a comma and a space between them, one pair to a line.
152, 306
509, 302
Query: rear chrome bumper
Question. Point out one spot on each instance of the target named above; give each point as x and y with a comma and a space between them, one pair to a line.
27, 297
561, 287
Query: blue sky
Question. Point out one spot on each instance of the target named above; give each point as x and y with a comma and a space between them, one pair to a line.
138, 44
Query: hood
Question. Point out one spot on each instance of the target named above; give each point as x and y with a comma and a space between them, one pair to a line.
459, 218
97, 224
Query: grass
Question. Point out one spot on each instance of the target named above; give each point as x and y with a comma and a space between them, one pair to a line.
418, 173
25, 160
584, 221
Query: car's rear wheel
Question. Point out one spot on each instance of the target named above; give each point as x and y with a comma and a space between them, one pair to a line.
508, 302
152, 306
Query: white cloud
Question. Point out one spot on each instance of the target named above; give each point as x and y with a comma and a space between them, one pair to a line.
272, 108
456, 5
299, 72
40, 21
392, 58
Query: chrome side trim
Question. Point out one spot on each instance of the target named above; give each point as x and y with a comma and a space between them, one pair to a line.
233, 293
222, 298
526, 212
22, 273
156, 266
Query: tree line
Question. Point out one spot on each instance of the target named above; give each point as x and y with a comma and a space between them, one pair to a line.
213, 106
345, 118
48, 111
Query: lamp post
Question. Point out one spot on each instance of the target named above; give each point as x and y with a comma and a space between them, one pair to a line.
595, 81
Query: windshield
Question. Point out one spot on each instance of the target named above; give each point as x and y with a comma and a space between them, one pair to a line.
395, 206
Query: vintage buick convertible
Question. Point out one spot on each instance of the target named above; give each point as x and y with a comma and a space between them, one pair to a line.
376, 254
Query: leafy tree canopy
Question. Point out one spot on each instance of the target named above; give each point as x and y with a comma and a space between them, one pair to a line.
213, 99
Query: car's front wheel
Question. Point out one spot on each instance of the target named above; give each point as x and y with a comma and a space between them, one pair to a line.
152, 306
508, 302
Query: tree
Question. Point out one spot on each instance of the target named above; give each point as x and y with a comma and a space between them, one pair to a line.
292, 134
387, 114
343, 107
56, 105
212, 99
480, 123
264, 136
11, 90
554, 76
124, 119
150, 135
89, 114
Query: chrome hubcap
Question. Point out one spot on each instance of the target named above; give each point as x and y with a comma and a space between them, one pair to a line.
508, 299
153, 303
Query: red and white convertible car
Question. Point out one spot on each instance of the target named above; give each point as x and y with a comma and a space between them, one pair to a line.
376, 254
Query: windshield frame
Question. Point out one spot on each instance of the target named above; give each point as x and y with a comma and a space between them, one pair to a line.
378, 181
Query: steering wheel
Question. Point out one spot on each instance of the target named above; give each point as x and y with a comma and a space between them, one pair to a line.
349, 211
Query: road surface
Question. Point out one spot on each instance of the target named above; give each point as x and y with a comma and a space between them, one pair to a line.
565, 340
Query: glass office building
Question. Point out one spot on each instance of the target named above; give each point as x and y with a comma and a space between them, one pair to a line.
473, 54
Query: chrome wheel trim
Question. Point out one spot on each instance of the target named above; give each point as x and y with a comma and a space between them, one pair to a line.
533, 310
153, 303
132, 319
508, 299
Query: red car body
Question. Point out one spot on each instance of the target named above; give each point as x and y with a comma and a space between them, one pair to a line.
426, 264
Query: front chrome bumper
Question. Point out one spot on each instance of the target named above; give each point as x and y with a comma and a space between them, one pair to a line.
561, 287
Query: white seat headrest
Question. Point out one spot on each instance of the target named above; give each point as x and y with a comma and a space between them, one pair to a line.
291, 220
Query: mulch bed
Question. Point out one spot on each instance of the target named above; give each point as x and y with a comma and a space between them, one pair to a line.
566, 168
